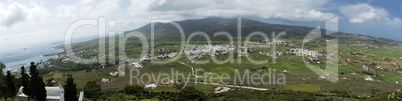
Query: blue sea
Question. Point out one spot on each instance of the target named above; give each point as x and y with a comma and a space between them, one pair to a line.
15, 57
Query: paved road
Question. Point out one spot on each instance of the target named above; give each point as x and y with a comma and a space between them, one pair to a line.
57, 66
233, 86
121, 69
192, 68
217, 84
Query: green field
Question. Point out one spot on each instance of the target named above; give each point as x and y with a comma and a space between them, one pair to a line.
304, 88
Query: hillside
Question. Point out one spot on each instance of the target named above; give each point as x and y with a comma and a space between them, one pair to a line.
368, 66
211, 25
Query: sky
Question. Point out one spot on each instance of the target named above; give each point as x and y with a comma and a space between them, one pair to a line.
24, 22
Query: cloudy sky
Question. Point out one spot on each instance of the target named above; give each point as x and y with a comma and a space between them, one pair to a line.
24, 22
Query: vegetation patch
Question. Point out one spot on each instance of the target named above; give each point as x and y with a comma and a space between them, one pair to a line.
223, 69
304, 88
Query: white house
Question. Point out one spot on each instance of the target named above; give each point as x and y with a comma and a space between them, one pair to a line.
365, 67
368, 78
221, 89
53, 94
114, 73
53, 82
136, 65
105, 80
151, 86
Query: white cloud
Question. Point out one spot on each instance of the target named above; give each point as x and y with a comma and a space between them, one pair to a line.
16, 12
106, 8
41, 23
88, 9
86, 1
25, 20
45, 20
67, 11
360, 13
291, 10
13, 13
393, 23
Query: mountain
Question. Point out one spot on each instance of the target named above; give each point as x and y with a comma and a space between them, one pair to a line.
211, 25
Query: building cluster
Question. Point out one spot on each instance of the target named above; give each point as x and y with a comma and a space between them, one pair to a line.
67, 57
212, 50
272, 54
274, 42
160, 57
42, 63
14, 70
304, 52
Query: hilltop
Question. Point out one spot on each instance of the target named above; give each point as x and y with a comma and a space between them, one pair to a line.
211, 25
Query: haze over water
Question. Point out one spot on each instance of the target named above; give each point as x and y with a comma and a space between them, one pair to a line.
22, 56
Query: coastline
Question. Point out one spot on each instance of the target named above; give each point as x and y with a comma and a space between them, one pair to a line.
47, 52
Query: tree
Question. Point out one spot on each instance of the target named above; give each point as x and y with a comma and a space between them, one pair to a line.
2, 66
49, 82
178, 86
190, 93
92, 90
11, 90
3, 86
25, 83
70, 90
396, 95
133, 90
36, 85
